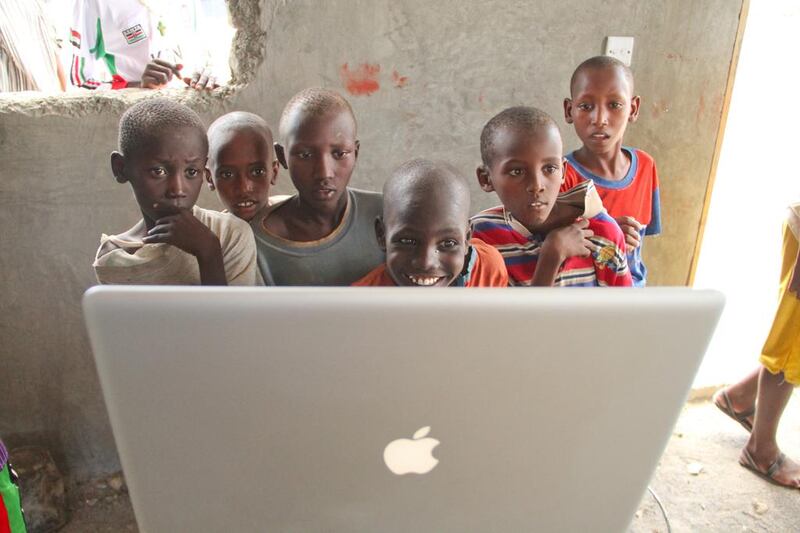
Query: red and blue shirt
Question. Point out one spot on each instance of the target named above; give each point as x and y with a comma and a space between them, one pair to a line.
635, 195
520, 250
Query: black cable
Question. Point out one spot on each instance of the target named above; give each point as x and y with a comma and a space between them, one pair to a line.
661, 506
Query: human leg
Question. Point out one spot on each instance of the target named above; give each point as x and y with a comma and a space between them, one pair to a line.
761, 453
739, 400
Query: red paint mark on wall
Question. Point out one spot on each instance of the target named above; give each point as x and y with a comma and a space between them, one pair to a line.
361, 81
398, 80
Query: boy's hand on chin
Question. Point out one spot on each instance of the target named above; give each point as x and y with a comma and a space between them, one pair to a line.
630, 228
570, 241
184, 231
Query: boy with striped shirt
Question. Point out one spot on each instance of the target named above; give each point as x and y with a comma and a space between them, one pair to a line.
541, 244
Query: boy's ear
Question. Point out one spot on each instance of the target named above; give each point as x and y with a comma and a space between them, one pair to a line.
280, 155
563, 169
275, 167
209, 180
568, 110
380, 233
484, 179
358, 147
635, 101
118, 166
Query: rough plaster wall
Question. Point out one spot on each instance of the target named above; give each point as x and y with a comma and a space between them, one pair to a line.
442, 69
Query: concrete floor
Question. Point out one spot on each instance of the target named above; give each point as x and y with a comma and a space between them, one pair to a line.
721, 497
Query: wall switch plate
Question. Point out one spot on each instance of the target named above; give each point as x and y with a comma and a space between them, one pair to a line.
620, 47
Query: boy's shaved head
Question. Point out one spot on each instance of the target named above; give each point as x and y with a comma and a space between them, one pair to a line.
602, 62
242, 162
425, 225
235, 122
312, 102
147, 120
524, 119
423, 184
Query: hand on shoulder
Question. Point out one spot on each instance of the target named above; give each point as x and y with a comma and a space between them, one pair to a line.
570, 241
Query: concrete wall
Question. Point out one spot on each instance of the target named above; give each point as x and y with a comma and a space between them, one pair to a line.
423, 78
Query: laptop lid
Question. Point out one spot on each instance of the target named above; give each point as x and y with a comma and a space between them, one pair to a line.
319, 409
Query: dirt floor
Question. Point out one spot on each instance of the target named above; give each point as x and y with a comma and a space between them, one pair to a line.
723, 496
698, 480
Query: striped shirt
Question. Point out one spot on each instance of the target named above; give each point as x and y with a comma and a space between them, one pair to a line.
3, 455
520, 250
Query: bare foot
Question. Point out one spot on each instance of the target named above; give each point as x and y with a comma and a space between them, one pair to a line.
732, 406
777, 469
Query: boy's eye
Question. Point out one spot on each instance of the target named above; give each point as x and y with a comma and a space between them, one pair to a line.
584, 107
225, 174
551, 169
448, 244
516, 172
159, 172
340, 154
406, 241
616, 105
259, 172
192, 172
303, 155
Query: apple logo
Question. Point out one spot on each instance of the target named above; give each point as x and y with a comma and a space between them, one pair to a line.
415, 455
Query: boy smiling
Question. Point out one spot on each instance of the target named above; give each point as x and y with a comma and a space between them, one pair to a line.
521, 150
601, 105
162, 154
323, 235
425, 233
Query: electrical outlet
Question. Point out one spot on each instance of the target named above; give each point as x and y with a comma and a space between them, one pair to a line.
620, 47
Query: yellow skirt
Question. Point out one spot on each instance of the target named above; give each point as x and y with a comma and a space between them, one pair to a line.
781, 352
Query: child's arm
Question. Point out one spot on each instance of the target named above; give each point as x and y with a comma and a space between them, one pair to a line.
630, 229
184, 231
559, 245
158, 73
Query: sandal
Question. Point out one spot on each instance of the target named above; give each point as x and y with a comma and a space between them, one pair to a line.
746, 460
727, 408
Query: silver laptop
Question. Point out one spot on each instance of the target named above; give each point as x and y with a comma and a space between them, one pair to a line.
371, 409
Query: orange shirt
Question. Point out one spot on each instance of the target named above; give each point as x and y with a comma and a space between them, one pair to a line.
489, 270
